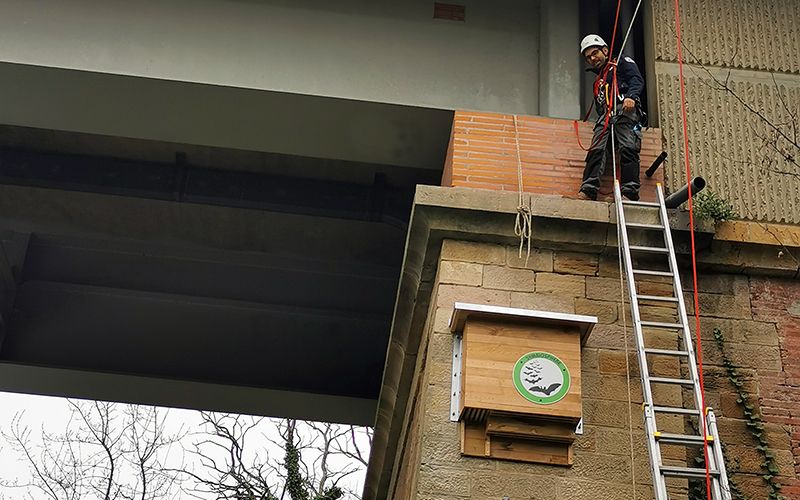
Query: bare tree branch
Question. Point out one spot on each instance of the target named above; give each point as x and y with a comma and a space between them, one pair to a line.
107, 451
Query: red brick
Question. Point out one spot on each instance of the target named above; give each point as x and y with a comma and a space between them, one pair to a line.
483, 154
780, 396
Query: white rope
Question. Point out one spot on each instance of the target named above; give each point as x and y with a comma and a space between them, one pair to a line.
624, 320
524, 219
621, 282
630, 27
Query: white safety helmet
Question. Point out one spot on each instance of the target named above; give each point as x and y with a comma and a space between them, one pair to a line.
592, 41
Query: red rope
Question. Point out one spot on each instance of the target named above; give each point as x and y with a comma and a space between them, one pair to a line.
614, 34
604, 73
694, 255
599, 137
612, 91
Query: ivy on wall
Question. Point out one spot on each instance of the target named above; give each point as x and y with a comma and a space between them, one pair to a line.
769, 466
754, 423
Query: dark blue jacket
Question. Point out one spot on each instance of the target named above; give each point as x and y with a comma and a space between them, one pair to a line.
629, 81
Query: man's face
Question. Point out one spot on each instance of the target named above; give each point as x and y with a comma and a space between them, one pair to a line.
596, 57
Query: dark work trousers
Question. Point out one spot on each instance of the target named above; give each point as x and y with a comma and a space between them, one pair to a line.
628, 138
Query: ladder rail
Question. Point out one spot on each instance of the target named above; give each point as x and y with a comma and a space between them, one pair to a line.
654, 449
719, 458
688, 345
720, 489
715, 457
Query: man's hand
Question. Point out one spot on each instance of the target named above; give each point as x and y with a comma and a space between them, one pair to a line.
628, 105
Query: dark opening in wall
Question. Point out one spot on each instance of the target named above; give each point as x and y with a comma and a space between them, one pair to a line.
598, 17
449, 11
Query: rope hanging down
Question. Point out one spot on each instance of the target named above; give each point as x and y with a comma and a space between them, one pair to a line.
619, 252
624, 330
524, 220
612, 92
682, 86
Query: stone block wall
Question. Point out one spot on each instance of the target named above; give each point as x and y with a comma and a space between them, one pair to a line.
552, 280
759, 317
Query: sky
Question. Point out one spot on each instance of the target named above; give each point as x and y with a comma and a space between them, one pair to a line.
53, 415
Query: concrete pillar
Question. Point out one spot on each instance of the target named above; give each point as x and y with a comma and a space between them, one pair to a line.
559, 62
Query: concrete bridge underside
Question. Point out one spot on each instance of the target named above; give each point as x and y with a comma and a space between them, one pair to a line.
205, 203
193, 273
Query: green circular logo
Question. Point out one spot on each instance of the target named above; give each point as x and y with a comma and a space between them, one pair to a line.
541, 378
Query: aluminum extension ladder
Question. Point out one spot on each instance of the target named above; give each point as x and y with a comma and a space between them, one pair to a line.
685, 351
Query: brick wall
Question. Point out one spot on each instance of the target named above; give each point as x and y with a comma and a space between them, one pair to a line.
759, 316
753, 345
777, 302
482, 154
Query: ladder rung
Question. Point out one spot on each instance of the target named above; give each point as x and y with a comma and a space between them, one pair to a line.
675, 410
657, 298
652, 273
659, 324
669, 438
637, 248
673, 471
641, 203
667, 380
666, 352
639, 225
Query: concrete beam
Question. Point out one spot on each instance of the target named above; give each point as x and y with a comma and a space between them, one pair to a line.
185, 394
39, 210
223, 117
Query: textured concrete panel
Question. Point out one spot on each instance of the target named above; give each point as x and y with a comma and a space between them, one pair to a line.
751, 47
736, 122
754, 34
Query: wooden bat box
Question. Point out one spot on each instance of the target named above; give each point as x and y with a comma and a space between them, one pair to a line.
517, 381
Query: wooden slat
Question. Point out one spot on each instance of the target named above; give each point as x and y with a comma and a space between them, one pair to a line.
507, 426
473, 441
525, 450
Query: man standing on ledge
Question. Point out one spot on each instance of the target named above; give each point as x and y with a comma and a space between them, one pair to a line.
626, 123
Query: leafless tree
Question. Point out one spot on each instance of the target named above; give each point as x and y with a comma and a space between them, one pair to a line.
227, 469
112, 451
107, 451
310, 460
338, 451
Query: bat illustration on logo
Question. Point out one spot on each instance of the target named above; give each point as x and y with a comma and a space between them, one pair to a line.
546, 390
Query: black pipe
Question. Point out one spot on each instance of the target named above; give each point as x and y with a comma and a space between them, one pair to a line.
680, 196
657, 163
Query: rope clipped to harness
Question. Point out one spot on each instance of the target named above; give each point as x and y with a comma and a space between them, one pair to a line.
611, 92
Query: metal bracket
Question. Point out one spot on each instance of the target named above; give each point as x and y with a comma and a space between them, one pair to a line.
455, 383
